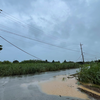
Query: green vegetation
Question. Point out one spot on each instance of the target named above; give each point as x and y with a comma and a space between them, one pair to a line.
33, 61
87, 74
90, 74
0, 47
32, 67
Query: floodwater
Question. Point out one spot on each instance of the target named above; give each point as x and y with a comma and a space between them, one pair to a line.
28, 87
61, 85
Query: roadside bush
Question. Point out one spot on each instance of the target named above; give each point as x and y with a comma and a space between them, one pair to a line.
90, 74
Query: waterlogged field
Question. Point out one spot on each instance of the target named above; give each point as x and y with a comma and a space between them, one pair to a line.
90, 73
32, 68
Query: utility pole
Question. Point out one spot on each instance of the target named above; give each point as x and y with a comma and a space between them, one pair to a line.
82, 52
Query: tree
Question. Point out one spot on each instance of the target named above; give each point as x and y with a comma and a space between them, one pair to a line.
0, 47
53, 61
58, 61
15, 61
46, 61
64, 61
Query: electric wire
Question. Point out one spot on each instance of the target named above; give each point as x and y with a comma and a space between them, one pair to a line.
21, 22
18, 21
26, 24
78, 58
88, 57
43, 42
92, 51
19, 48
36, 40
13, 19
90, 54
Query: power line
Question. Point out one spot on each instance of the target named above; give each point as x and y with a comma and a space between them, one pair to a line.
15, 30
19, 48
37, 40
89, 57
43, 42
94, 52
23, 24
13, 19
5, 13
86, 52
89, 54
78, 58
20, 22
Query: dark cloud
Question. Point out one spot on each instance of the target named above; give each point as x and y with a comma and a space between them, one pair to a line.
59, 22
19, 6
35, 30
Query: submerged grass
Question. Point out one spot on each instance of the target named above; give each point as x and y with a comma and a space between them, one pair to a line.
90, 74
32, 68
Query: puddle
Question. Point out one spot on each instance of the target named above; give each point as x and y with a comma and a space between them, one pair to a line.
62, 86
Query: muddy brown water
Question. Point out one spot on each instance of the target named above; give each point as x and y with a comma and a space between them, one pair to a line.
26, 87
61, 85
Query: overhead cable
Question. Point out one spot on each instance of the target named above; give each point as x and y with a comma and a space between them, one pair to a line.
19, 48
37, 40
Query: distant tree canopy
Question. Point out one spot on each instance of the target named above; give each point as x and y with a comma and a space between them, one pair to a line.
6, 62
34, 61
64, 61
0, 47
15, 61
46, 60
53, 61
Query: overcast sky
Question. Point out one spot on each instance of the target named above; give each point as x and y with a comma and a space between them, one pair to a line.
64, 23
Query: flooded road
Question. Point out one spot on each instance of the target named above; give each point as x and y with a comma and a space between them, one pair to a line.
27, 87
63, 86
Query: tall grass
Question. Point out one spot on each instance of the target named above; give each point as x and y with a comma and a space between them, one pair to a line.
90, 74
32, 68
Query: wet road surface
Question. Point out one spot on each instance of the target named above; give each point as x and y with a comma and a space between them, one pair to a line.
26, 87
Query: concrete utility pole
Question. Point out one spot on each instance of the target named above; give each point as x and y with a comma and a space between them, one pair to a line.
82, 52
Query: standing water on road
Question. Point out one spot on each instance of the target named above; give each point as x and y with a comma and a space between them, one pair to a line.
26, 87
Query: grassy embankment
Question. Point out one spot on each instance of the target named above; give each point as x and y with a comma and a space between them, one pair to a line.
90, 74
12, 69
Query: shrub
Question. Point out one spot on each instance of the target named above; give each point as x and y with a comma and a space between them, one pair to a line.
90, 74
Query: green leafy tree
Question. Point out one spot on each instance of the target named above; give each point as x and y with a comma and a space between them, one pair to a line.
0, 47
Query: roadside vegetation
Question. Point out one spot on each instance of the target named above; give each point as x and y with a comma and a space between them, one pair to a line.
33, 66
90, 73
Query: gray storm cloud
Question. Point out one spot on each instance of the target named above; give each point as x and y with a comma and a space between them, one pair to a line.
65, 23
